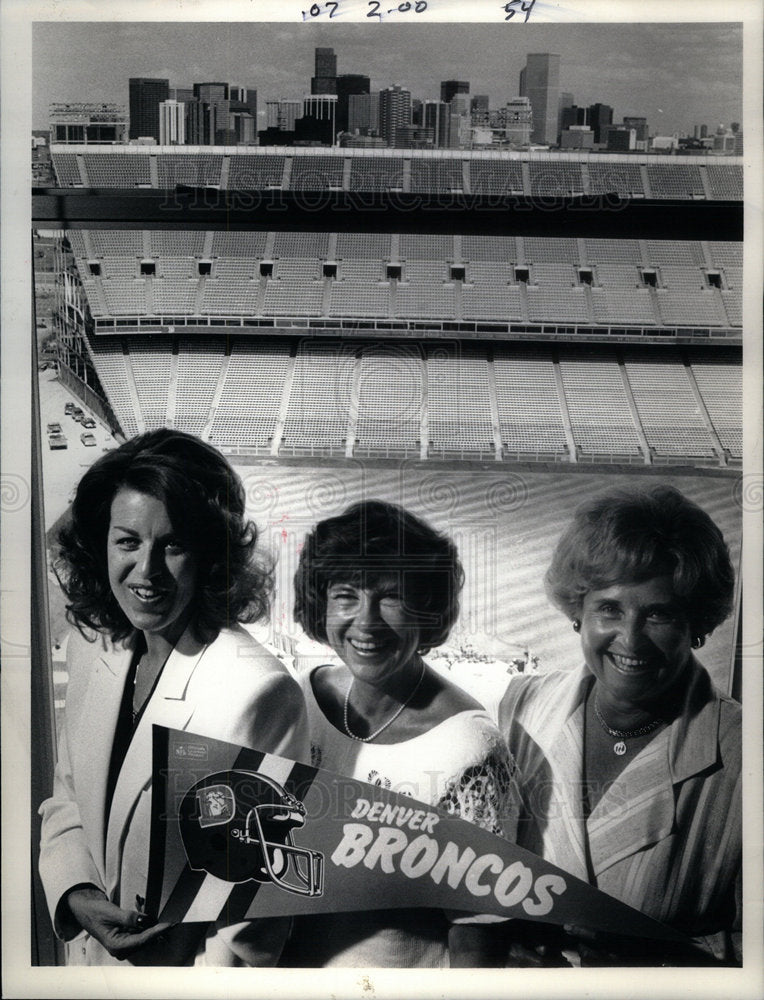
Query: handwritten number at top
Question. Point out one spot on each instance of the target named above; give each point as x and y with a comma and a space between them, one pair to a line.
518, 7
317, 9
403, 8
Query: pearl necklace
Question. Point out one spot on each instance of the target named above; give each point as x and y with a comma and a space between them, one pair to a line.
390, 721
619, 748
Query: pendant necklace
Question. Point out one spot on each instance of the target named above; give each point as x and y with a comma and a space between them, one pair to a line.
390, 721
619, 747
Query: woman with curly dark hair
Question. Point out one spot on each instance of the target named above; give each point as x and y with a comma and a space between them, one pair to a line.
159, 566
631, 764
381, 587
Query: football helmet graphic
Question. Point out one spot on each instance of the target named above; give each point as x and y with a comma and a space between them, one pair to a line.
237, 825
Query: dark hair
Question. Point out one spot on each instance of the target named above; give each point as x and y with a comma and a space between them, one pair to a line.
370, 540
204, 498
633, 535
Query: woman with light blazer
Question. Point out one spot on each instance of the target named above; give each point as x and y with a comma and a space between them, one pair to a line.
159, 567
631, 764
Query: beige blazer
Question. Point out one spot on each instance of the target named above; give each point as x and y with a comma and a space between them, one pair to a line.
666, 836
231, 689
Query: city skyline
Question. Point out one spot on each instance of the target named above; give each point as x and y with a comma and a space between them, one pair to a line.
675, 75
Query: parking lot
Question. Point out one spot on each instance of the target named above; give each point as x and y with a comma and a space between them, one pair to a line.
63, 467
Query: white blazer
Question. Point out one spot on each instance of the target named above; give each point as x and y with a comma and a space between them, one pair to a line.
232, 690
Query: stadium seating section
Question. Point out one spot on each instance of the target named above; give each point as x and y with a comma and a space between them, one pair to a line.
594, 283
434, 345
535, 175
282, 396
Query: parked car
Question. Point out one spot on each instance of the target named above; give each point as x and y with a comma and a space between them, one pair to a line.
56, 441
69, 409
54, 428
88, 422
88, 440
78, 414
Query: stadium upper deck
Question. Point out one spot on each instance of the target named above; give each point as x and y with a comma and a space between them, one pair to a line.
457, 172
405, 284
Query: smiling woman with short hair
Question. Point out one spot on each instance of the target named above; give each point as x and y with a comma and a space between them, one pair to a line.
631, 765
381, 587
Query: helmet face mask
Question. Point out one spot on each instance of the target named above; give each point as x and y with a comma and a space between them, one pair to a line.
237, 826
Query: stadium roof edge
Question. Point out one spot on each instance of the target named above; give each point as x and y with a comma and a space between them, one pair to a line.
542, 156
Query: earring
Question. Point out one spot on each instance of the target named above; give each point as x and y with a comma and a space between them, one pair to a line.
698, 641
576, 624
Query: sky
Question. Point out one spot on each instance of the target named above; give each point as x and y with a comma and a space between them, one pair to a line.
675, 75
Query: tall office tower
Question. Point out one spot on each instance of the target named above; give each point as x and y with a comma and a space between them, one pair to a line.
540, 83
245, 96
600, 116
573, 115
172, 123
518, 121
208, 121
704, 131
479, 109
394, 111
640, 126
448, 88
282, 115
146, 94
417, 111
565, 100
363, 114
325, 79
211, 91
181, 94
437, 116
318, 123
349, 84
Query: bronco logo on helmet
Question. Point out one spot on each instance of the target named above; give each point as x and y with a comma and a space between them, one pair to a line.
237, 826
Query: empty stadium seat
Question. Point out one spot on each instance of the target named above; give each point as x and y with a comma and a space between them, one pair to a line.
598, 406
371, 246
67, 170
248, 408
630, 306
673, 252
376, 173
113, 170
316, 173
435, 175
555, 180
720, 382
255, 172
701, 307
540, 250
668, 411
113, 375
390, 398
725, 181
200, 362
489, 248
150, 360
610, 177
359, 298
676, 180
496, 177
296, 244
459, 405
557, 305
530, 416
198, 170
319, 403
